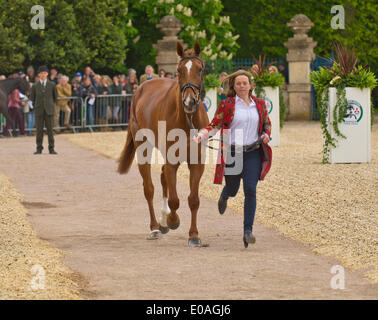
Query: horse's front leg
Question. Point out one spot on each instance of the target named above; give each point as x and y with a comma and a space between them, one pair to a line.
196, 171
170, 172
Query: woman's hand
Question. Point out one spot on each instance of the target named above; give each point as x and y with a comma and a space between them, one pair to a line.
266, 138
202, 134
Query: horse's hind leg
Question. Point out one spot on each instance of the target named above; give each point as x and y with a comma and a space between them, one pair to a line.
163, 227
145, 171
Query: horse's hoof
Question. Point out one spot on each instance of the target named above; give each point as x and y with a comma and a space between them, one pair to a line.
194, 243
174, 227
154, 235
163, 230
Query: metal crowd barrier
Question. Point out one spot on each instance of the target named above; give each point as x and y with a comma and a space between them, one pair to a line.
76, 115
111, 110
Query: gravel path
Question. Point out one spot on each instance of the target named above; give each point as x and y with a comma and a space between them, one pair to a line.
78, 203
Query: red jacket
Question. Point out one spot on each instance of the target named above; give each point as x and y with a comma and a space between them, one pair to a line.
222, 120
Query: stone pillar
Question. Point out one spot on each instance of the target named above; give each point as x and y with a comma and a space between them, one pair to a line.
299, 57
167, 57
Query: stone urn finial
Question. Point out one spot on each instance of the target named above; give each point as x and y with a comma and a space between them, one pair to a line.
167, 57
299, 56
300, 24
170, 26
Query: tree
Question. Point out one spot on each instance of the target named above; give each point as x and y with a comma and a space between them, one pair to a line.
262, 26
12, 39
102, 32
201, 20
76, 33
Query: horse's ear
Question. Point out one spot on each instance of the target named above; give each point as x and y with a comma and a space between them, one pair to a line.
179, 49
197, 48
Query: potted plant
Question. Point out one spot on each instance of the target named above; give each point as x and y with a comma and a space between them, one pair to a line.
343, 100
212, 83
267, 81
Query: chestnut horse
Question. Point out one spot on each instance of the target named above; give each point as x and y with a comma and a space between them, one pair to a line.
178, 104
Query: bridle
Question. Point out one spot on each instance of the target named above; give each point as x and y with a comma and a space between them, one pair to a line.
199, 87
192, 86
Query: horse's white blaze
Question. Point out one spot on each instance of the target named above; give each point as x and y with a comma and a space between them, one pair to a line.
187, 100
164, 212
188, 65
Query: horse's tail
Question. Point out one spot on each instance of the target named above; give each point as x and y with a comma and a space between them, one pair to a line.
127, 155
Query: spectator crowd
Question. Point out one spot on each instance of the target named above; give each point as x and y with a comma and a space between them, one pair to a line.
106, 100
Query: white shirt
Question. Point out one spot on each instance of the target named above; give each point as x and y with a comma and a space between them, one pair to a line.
245, 125
43, 83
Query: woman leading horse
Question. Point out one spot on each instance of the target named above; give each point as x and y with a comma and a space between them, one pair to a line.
179, 106
246, 119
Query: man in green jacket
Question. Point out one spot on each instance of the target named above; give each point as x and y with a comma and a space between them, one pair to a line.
44, 95
149, 74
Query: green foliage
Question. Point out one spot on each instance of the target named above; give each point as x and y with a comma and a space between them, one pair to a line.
322, 98
283, 109
361, 78
321, 79
76, 33
262, 26
212, 81
330, 77
103, 32
267, 79
201, 19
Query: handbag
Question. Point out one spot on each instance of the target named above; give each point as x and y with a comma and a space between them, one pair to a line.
25, 107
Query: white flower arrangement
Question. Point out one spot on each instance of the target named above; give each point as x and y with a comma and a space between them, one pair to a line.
212, 39
129, 23
229, 56
219, 46
172, 12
